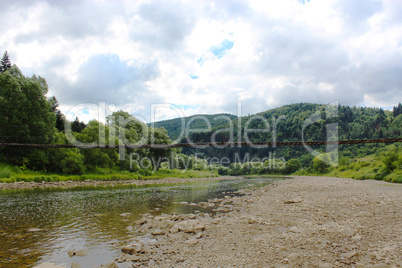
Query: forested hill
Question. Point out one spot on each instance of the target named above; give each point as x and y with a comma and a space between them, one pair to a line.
353, 123
286, 124
174, 126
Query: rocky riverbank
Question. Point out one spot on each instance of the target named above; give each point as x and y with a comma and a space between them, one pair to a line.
72, 184
302, 222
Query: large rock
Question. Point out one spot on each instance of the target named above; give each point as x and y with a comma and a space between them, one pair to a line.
164, 224
81, 253
190, 226
132, 249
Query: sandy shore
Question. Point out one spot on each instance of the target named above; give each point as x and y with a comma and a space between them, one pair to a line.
301, 222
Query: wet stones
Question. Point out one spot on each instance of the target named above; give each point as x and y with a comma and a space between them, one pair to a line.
81, 253
141, 221
78, 253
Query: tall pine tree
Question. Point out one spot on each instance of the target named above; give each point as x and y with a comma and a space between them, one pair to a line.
397, 110
5, 63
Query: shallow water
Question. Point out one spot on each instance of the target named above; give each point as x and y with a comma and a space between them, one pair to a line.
89, 218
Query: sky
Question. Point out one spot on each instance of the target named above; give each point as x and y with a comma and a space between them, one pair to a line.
162, 59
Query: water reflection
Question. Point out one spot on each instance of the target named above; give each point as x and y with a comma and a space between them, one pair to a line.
42, 225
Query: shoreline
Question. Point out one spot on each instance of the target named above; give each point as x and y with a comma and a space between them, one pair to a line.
303, 222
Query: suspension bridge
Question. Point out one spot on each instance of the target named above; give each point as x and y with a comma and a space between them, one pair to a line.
201, 145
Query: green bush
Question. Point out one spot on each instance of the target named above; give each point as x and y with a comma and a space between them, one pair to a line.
5, 173
72, 163
292, 166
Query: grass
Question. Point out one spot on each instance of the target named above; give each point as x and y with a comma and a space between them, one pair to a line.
369, 167
10, 174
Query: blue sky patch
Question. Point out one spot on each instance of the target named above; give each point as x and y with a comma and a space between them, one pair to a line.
194, 76
220, 51
304, 1
200, 61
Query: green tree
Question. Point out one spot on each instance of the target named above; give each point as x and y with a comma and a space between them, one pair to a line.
60, 118
77, 126
391, 160
159, 155
26, 116
104, 158
5, 63
320, 165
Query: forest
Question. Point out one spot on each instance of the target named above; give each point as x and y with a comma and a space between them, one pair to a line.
29, 115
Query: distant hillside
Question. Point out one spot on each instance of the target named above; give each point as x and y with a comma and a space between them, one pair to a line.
285, 123
175, 126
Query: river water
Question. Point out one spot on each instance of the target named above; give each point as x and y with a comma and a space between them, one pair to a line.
43, 225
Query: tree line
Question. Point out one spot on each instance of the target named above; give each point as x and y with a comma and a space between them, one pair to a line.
28, 116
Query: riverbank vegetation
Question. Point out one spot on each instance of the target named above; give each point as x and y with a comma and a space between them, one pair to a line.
28, 115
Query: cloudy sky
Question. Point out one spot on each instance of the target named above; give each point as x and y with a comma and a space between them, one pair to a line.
207, 56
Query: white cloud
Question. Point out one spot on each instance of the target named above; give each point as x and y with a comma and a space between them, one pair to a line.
133, 54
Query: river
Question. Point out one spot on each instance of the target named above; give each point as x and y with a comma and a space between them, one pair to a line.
42, 225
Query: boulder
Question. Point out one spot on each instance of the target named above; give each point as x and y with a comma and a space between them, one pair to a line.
174, 229
133, 248
190, 226
81, 253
